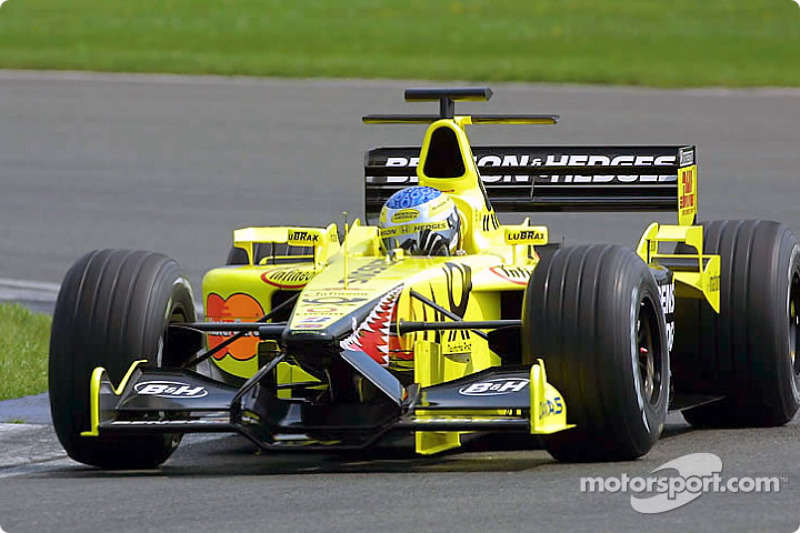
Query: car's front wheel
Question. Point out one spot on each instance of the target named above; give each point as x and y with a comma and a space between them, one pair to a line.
114, 307
593, 314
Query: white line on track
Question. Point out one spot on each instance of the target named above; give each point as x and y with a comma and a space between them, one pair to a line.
26, 290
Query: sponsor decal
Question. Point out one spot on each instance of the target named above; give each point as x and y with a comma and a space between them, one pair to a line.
334, 299
303, 238
318, 310
405, 215
561, 160
170, 389
494, 387
365, 273
457, 343
507, 161
527, 236
373, 335
287, 278
312, 322
402, 161
687, 157
667, 296
543, 179
688, 197
551, 407
517, 275
407, 229
578, 161
236, 308
611, 178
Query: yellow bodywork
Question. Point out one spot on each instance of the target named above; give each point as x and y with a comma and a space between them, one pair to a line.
687, 195
548, 411
340, 277
701, 277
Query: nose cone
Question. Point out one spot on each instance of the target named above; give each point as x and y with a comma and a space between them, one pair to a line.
365, 327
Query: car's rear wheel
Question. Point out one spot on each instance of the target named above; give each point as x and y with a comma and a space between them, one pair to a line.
748, 352
593, 314
114, 307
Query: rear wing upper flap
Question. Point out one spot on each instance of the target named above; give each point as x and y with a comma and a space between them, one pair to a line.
558, 178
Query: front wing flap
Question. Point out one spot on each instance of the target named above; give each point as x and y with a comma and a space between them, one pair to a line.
158, 400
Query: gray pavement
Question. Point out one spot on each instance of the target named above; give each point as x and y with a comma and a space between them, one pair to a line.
174, 164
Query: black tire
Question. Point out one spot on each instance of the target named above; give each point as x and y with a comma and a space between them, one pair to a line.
113, 308
588, 312
747, 351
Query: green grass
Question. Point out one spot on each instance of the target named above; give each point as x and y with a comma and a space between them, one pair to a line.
23, 352
639, 42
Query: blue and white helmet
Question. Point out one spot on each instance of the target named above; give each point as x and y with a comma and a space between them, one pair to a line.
421, 221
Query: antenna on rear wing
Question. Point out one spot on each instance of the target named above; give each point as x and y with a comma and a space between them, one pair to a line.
447, 99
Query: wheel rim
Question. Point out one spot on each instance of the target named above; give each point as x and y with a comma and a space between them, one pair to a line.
794, 322
649, 352
166, 351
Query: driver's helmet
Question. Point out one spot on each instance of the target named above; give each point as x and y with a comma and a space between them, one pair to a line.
421, 221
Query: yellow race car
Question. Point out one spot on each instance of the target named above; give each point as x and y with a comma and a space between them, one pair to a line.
438, 320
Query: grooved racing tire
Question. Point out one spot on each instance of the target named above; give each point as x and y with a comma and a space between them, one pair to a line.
593, 314
113, 308
747, 352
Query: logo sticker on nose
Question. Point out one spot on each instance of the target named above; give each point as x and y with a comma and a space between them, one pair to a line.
170, 389
494, 387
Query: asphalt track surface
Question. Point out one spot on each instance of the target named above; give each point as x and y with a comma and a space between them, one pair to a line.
174, 164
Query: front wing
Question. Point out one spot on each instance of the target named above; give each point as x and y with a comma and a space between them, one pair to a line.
182, 401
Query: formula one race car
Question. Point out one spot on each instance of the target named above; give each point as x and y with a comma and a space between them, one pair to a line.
438, 320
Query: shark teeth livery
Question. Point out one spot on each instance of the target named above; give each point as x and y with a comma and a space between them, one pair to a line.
372, 335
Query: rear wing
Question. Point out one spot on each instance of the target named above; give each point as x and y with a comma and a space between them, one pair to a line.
523, 179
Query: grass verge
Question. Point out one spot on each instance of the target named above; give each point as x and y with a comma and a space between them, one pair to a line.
23, 352
646, 42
